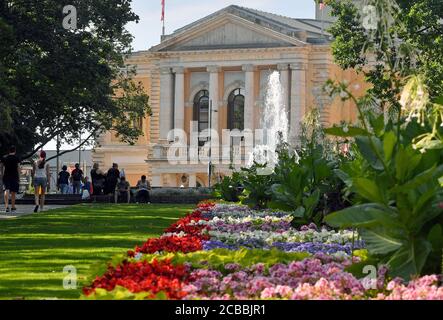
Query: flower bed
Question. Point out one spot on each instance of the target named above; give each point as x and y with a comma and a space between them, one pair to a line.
232, 252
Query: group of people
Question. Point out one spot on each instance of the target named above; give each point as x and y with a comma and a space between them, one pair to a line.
74, 182
112, 183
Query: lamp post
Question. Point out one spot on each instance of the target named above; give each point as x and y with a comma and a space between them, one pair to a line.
210, 144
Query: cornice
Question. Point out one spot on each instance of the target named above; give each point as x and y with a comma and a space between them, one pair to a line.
174, 54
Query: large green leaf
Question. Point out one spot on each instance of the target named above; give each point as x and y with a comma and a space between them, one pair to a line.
378, 242
321, 170
378, 124
430, 175
369, 190
312, 200
389, 141
369, 150
299, 212
435, 237
406, 160
408, 261
365, 215
424, 201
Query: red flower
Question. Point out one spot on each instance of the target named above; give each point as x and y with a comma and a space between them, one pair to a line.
155, 277
171, 244
189, 225
158, 276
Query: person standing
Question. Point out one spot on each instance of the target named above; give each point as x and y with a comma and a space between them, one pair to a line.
77, 178
112, 178
63, 180
11, 177
143, 187
40, 175
98, 180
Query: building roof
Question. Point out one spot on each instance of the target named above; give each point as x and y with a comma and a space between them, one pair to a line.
308, 30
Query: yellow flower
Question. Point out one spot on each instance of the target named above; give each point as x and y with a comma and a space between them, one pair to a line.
415, 99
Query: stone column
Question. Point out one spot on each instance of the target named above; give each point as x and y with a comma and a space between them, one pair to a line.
166, 102
298, 98
192, 180
249, 96
214, 94
179, 100
283, 68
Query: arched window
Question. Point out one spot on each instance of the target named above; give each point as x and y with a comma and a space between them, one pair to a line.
201, 109
236, 107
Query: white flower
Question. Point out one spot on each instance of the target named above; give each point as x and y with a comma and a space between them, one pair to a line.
138, 256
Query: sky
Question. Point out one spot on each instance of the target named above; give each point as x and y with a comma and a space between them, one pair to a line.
179, 13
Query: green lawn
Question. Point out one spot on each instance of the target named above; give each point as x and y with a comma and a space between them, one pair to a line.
35, 249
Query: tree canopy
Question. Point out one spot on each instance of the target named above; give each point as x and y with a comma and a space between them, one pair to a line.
60, 82
389, 40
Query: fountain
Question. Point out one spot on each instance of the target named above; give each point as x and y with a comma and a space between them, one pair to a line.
274, 124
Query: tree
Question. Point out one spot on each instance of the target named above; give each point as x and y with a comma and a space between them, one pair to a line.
60, 82
396, 184
401, 37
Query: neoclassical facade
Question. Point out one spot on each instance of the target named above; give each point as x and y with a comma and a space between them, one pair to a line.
221, 63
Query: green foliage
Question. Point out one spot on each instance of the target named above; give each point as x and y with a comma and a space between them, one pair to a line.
121, 293
296, 188
57, 82
407, 40
256, 182
398, 196
229, 188
305, 183
217, 259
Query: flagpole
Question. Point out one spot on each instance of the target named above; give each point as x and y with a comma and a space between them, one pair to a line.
163, 17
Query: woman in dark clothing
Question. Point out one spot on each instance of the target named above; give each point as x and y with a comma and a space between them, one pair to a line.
112, 178
98, 180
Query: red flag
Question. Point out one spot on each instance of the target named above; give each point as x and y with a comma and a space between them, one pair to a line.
163, 10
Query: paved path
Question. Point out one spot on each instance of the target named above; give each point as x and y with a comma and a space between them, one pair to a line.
23, 210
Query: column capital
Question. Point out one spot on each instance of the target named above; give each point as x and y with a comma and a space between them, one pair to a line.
299, 66
165, 70
213, 69
248, 68
282, 66
178, 70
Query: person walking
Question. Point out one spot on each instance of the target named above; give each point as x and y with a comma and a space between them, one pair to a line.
112, 178
98, 180
143, 187
40, 175
11, 177
63, 180
77, 178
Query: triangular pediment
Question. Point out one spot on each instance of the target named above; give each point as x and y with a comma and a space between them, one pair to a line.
226, 31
